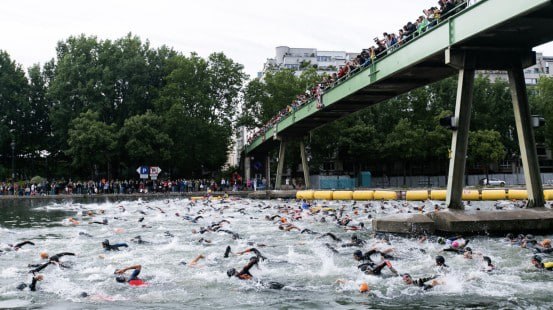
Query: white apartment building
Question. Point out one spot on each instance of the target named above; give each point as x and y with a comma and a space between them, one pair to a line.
299, 59
543, 67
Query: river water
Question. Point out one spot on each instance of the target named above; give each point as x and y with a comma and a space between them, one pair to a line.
302, 262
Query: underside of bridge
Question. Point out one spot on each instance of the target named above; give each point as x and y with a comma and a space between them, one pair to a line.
492, 35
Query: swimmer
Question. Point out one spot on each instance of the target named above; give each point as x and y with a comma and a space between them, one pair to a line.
469, 254
55, 259
360, 227
103, 222
234, 235
489, 267
33, 284
82, 233
112, 247
227, 251
331, 248
543, 247
133, 279
538, 262
457, 245
407, 279
376, 269
138, 240
244, 274
440, 262
17, 246
288, 227
355, 241
309, 231
359, 256
196, 259
255, 251
331, 235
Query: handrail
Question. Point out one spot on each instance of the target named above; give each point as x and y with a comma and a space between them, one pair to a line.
455, 11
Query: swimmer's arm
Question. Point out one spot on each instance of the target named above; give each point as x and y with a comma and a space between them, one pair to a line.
136, 267
196, 259
20, 244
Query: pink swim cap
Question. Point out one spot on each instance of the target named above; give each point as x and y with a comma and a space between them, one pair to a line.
455, 244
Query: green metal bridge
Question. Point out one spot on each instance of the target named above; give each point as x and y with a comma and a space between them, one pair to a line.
491, 35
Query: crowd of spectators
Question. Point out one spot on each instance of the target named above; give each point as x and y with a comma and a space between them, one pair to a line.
46, 188
382, 46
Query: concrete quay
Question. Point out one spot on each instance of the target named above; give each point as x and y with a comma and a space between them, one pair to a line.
450, 222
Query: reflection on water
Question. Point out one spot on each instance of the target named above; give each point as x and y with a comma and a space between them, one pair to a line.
302, 262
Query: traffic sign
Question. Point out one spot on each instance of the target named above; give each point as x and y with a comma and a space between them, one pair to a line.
154, 170
143, 171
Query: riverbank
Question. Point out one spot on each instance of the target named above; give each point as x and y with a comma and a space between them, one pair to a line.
285, 194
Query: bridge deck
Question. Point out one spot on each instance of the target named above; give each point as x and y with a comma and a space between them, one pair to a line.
492, 25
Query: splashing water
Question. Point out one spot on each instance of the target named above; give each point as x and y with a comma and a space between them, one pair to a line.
307, 267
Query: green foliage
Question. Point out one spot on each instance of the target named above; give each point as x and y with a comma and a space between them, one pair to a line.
146, 142
485, 147
541, 98
91, 142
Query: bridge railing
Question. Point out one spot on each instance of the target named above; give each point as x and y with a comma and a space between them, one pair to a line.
371, 61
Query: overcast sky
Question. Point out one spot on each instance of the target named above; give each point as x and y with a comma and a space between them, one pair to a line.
245, 30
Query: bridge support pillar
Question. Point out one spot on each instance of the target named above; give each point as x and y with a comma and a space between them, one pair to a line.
268, 171
247, 169
460, 137
525, 133
304, 165
280, 164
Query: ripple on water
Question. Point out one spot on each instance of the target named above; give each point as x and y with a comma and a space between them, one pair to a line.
301, 261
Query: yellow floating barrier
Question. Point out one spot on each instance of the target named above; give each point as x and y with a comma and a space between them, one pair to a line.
323, 195
416, 195
307, 195
342, 195
385, 195
470, 195
518, 194
363, 195
494, 194
548, 194
438, 194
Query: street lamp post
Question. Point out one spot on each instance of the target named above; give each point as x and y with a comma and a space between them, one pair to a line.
13, 158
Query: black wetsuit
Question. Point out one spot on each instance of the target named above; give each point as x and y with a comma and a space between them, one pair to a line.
331, 235
421, 282
21, 244
114, 247
234, 235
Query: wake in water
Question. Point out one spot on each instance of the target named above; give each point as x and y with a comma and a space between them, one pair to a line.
253, 253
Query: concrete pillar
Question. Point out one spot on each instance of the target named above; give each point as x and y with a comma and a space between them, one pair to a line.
247, 168
280, 164
526, 139
305, 166
459, 143
268, 171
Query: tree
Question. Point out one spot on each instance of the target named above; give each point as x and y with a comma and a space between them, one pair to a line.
199, 104
485, 147
144, 139
406, 143
91, 142
14, 105
541, 98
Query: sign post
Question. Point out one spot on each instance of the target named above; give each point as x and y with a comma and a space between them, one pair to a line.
154, 172
143, 171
